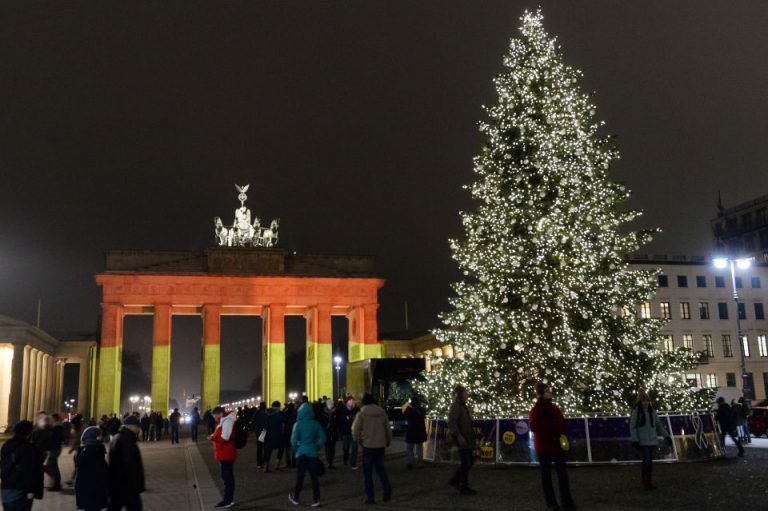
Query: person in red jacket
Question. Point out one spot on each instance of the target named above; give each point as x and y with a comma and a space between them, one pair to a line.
547, 424
225, 452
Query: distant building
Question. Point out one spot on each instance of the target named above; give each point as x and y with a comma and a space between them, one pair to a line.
32, 371
742, 230
697, 299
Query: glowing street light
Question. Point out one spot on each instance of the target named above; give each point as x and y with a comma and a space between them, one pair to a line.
741, 264
338, 361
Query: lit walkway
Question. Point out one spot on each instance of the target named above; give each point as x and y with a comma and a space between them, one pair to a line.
172, 472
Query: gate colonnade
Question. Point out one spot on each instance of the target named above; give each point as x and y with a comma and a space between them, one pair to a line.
169, 288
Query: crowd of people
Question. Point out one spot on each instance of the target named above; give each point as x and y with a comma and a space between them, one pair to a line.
108, 469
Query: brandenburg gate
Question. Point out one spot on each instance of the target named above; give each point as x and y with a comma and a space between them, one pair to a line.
245, 275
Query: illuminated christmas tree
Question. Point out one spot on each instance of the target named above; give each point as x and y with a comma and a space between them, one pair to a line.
547, 293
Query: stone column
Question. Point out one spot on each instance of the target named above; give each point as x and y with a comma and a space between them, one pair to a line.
363, 333
210, 378
273, 349
319, 352
25, 379
45, 390
59, 398
32, 383
17, 383
82, 388
37, 404
161, 357
110, 360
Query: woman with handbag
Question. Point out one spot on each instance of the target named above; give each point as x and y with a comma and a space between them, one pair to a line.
645, 428
550, 441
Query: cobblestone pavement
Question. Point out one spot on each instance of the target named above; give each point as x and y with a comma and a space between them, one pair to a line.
171, 471
733, 483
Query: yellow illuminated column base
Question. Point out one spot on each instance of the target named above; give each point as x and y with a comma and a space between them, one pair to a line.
360, 351
273, 372
211, 376
320, 373
108, 398
161, 377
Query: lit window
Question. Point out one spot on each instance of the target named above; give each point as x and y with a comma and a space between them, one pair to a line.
669, 343
645, 310
745, 345
727, 348
704, 310
708, 348
665, 310
762, 347
712, 380
688, 342
693, 379
685, 310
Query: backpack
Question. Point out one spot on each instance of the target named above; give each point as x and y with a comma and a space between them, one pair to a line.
241, 432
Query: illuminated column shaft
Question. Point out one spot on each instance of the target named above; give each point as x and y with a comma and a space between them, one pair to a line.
363, 333
273, 359
24, 405
161, 357
82, 388
319, 352
59, 382
32, 382
110, 360
38, 382
210, 378
17, 383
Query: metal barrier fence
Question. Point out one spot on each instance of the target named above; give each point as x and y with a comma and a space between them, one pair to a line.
594, 440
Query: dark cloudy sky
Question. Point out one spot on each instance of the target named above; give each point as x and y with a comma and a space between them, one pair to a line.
125, 125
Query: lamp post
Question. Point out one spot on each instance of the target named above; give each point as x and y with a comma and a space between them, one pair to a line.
742, 264
134, 400
338, 360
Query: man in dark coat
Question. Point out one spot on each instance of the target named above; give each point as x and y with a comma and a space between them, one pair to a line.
727, 422
273, 424
463, 434
175, 420
257, 425
342, 417
416, 433
55, 443
126, 471
21, 473
91, 479
194, 422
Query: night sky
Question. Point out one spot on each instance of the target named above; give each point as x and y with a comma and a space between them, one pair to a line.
126, 126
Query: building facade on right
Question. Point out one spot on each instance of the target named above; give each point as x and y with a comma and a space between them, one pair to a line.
697, 300
742, 230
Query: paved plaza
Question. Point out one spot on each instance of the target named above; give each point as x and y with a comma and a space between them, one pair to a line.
185, 477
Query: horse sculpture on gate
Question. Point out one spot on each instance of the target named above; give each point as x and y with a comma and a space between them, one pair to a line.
242, 233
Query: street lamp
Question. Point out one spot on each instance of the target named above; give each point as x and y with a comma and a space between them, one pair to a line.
338, 360
292, 396
742, 264
134, 400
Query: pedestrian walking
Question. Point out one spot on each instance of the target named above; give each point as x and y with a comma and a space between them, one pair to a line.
549, 440
210, 421
746, 412
343, 419
645, 428
91, 471
289, 415
416, 433
21, 473
328, 420
56, 436
126, 470
463, 435
194, 423
225, 452
167, 426
145, 427
354, 409
258, 424
175, 420
306, 438
724, 417
371, 431
41, 436
273, 426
